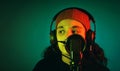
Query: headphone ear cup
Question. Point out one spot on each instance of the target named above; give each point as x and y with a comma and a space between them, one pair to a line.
93, 36
53, 37
90, 37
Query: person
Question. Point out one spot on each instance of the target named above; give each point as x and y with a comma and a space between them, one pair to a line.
65, 53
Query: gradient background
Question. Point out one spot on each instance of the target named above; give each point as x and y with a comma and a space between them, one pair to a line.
24, 30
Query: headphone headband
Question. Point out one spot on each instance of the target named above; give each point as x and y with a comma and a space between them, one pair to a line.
80, 9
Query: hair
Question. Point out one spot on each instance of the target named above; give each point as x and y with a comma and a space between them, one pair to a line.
52, 52
99, 54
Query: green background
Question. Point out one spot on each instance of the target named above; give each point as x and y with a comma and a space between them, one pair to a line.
24, 30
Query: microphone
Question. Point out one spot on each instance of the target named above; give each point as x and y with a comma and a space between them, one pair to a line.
74, 46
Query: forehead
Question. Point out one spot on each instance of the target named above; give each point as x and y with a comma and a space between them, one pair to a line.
69, 23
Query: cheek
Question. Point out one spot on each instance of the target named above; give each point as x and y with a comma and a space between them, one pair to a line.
61, 45
83, 34
61, 37
62, 48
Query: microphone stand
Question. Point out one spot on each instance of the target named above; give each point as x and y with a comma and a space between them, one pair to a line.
76, 44
75, 64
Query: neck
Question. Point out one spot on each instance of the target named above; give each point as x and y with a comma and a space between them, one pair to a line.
66, 59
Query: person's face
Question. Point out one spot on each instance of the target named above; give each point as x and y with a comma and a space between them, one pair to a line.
68, 27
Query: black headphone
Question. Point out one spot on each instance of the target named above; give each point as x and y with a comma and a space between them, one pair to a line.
90, 34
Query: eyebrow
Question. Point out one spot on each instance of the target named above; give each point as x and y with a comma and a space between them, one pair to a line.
59, 27
75, 26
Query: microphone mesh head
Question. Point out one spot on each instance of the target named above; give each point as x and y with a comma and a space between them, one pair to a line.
75, 42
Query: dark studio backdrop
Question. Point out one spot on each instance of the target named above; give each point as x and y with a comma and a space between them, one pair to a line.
24, 30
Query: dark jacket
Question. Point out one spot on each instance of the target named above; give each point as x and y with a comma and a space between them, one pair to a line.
52, 62
51, 65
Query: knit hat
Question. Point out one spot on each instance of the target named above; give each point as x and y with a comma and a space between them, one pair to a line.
76, 15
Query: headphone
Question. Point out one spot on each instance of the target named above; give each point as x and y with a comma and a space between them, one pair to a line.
90, 34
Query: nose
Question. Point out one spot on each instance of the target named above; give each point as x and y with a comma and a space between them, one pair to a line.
73, 31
